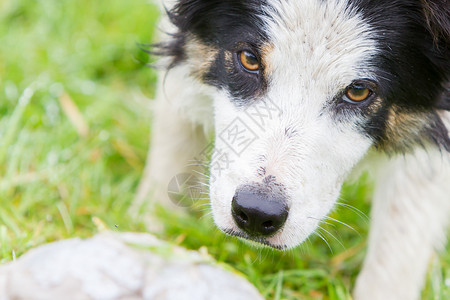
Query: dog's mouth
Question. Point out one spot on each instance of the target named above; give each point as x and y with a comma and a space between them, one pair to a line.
259, 241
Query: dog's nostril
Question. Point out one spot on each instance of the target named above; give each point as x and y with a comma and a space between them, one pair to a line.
243, 216
267, 224
257, 211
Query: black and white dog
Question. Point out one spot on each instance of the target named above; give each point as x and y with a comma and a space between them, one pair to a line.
299, 93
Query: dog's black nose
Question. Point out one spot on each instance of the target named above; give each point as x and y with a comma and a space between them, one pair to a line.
258, 212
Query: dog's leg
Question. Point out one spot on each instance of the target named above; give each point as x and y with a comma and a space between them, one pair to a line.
178, 136
409, 218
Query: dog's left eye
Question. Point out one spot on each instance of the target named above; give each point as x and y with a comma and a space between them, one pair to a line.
249, 61
357, 93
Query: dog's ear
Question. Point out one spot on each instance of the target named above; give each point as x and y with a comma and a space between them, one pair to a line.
186, 16
207, 21
437, 16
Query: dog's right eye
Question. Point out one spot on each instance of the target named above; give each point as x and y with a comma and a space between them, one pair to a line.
249, 61
359, 91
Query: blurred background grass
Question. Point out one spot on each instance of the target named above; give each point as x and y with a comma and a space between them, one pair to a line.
74, 129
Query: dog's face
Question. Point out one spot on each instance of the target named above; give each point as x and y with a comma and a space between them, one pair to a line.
302, 90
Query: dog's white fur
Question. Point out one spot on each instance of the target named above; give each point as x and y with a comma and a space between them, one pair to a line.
411, 205
313, 161
410, 214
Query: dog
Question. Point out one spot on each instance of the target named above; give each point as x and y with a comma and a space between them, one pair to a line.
299, 95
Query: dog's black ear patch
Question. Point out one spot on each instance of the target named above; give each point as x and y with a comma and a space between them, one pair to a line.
214, 20
437, 15
173, 49
185, 15
211, 22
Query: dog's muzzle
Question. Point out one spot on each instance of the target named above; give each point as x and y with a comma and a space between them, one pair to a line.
259, 210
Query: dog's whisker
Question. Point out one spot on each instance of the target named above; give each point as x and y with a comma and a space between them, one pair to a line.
201, 189
322, 221
197, 165
354, 209
206, 211
201, 174
323, 238
332, 236
345, 224
203, 205
206, 214
203, 184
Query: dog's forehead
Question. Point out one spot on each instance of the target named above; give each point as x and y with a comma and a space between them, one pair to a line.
317, 41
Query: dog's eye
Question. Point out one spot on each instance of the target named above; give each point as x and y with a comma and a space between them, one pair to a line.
249, 61
357, 93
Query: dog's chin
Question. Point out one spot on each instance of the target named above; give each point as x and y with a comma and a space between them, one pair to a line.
258, 242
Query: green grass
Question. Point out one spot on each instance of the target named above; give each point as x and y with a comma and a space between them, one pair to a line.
59, 179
